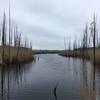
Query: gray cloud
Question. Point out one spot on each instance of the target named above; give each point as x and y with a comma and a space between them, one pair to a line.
46, 22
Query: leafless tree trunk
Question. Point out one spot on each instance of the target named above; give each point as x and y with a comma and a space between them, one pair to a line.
3, 35
65, 43
9, 32
85, 41
19, 42
94, 49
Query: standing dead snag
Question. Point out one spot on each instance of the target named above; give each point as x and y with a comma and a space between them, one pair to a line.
85, 41
75, 44
94, 33
65, 44
3, 35
69, 45
9, 33
18, 40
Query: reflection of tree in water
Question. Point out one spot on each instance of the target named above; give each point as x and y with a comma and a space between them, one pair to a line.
97, 69
86, 82
11, 77
85, 73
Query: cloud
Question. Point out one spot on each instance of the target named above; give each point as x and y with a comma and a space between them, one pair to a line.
46, 22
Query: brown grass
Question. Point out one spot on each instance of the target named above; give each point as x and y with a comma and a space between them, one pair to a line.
24, 54
88, 54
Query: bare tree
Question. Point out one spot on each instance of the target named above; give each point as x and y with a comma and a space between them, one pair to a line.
3, 35
65, 43
85, 38
75, 44
69, 45
4, 30
19, 42
93, 34
85, 41
9, 31
31, 45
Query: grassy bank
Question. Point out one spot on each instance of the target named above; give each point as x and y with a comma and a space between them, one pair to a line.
16, 54
86, 54
13, 48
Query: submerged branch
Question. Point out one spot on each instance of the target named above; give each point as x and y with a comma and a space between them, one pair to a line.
55, 90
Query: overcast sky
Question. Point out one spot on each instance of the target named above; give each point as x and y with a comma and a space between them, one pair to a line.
46, 22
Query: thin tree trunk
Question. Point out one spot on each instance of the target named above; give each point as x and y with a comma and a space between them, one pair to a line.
94, 52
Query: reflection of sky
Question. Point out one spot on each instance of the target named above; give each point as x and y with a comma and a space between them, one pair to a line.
38, 79
42, 78
46, 22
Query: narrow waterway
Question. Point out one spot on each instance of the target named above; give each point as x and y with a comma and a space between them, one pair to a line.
37, 80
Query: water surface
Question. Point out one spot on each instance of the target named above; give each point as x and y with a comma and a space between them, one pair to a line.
37, 80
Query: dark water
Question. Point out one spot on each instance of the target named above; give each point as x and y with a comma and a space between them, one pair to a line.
37, 80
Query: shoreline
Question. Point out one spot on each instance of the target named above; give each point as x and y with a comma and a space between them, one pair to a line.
87, 54
17, 55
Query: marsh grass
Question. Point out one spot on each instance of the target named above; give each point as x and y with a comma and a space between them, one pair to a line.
88, 54
24, 54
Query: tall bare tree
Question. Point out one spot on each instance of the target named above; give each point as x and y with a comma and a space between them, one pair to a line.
4, 30
65, 43
9, 30
85, 37
3, 35
94, 35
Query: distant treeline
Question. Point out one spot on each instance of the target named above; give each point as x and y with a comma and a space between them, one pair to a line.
46, 51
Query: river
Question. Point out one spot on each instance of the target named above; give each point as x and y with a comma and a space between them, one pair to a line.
37, 80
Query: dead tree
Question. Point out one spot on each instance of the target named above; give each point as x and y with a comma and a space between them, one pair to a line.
75, 45
31, 45
3, 35
0, 31
69, 45
15, 36
65, 43
85, 41
25, 43
93, 34
9, 32
18, 47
